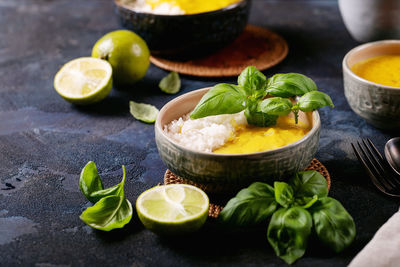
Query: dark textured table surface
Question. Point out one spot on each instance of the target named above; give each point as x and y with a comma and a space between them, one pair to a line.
45, 141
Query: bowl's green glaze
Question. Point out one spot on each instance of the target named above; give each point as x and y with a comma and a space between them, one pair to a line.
232, 170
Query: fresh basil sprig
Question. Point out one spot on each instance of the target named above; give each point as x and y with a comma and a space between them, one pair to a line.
111, 209
295, 207
253, 94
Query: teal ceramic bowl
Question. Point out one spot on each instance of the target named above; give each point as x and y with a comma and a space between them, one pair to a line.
231, 170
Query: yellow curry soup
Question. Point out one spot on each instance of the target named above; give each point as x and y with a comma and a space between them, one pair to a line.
194, 6
250, 139
383, 70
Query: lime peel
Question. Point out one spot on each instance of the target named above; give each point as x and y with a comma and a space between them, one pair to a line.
143, 112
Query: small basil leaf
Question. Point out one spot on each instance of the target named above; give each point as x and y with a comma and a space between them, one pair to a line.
255, 117
290, 84
283, 194
276, 106
221, 99
250, 206
308, 184
314, 100
116, 190
108, 213
288, 233
90, 181
253, 82
171, 83
333, 224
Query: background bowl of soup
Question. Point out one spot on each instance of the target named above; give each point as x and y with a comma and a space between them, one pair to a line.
371, 75
186, 35
233, 170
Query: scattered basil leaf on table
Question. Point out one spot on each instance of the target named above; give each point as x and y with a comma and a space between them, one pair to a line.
221, 99
111, 209
90, 181
283, 194
333, 224
250, 206
170, 84
253, 82
108, 213
143, 112
288, 233
290, 84
305, 202
276, 106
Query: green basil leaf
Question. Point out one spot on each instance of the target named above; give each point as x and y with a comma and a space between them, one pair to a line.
250, 206
108, 213
90, 181
253, 82
307, 202
283, 194
221, 99
288, 233
307, 184
255, 117
314, 100
171, 83
290, 84
276, 106
333, 224
116, 190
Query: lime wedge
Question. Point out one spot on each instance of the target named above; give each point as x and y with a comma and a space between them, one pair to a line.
170, 84
84, 80
173, 209
143, 112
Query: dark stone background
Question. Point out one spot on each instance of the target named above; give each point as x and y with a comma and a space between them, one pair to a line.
45, 141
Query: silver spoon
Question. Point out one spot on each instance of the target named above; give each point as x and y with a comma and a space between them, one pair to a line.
392, 153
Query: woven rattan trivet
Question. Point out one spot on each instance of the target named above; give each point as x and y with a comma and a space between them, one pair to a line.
215, 209
256, 46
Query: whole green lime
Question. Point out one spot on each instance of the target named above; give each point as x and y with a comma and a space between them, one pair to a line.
127, 53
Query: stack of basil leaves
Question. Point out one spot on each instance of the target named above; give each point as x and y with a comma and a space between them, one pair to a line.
111, 209
294, 210
262, 99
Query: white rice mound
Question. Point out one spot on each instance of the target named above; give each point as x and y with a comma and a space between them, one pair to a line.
205, 134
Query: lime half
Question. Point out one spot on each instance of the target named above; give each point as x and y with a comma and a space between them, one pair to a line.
84, 80
143, 112
173, 209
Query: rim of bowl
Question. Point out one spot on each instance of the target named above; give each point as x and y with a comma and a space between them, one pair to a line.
231, 6
159, 127
360, 48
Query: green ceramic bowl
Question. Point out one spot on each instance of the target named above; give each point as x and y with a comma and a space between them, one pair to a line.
232, 170
378, 104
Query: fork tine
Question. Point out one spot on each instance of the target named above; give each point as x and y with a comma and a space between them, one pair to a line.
383, 165
366, 167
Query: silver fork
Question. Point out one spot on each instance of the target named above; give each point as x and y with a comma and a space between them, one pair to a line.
378, 169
